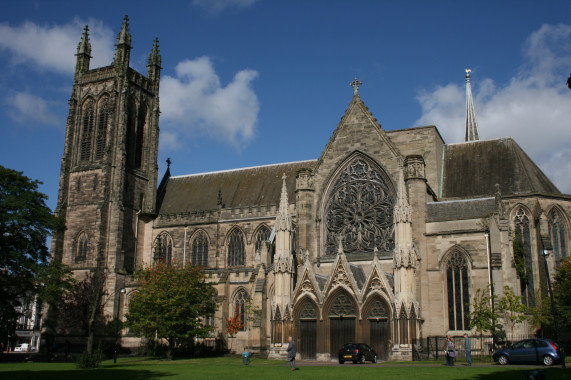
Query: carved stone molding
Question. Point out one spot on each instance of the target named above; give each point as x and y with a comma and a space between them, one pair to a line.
414, 167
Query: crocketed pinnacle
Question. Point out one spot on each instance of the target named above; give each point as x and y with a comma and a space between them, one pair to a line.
155, 57
124, 37
84, 46
471, 124
283, 220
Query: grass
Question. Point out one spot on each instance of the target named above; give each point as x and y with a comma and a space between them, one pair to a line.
232, 368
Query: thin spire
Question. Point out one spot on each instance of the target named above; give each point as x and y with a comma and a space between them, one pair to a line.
471, 124
124, 37
283, 220
84, 47
155, 57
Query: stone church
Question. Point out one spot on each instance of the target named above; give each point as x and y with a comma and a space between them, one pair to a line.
383, 239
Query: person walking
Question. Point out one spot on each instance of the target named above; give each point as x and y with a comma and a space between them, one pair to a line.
450, 351
468, 347
291, 353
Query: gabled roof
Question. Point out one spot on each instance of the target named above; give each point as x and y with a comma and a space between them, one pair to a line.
255, 186
472, 169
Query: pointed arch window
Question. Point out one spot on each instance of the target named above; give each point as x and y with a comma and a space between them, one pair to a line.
140, 134
87, 126
523, 257
236, 248
200, 249
262, 235
163, 248
103, 116
81, 246
458, 292
403, 324
557, 234
240, 301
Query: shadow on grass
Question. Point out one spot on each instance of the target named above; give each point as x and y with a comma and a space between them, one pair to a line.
519, 373
98, 374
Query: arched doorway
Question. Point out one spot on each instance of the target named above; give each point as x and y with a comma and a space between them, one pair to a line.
308, 330
378, 315
342, 315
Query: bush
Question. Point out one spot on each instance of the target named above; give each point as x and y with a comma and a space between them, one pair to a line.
87, 361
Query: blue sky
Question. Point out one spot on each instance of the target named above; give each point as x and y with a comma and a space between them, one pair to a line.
255, 82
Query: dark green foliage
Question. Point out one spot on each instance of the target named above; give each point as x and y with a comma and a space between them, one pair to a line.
86, 360
562, 293
25, 224
519, 257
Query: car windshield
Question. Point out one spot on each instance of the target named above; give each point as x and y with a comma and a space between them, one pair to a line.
350, 346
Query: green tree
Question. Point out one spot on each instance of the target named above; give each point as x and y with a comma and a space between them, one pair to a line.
562, 293
25, 224
483, 317
541, 316
512, 308
172, 304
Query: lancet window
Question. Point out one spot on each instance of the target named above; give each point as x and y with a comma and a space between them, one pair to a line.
557, 233
103, 116
240, 300
458, 292
236, 249
81, 247
523, 258
200, 249
360, 209
262, 236
87, 127
163, 248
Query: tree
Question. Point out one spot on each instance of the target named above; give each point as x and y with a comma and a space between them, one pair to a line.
25, 224
234, 324
483, 318
562, 293
512, 307
172, 303
541, 315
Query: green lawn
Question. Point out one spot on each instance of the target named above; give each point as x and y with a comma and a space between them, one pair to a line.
232, 368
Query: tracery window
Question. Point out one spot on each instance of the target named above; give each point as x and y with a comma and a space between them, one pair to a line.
103, 117
200, 249
557, 233
403, 324
81, 247
524, 263
360, 209
87, 126
240, 301
163, 248
262, 236
458, 292
342, 307
308, 311
236, 249
378, 310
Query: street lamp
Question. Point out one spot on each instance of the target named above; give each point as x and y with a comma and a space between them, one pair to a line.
550, 289
117, 326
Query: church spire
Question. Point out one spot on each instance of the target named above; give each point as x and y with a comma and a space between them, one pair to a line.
283, 220
83, 52
471, 124
123, 51
154, 66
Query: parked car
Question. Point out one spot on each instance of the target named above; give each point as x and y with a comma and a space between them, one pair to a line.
545, 351
357, 353
24, 347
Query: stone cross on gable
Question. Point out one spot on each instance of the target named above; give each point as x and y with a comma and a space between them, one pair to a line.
355, 84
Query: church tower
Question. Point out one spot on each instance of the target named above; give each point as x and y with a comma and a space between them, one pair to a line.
109, 167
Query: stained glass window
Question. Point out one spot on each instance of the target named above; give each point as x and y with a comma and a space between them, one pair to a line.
200, 249
236, 249
522, 233
458, 292
163, 248
557, 233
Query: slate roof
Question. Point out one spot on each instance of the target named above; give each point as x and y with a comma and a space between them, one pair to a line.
256, 186
460, 209
471, 170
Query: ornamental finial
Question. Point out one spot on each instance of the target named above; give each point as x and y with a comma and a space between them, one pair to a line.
355, 84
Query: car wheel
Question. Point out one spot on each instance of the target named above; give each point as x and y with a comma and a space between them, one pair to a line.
341, 361
503, 360
548, 360
375, 359
362, 359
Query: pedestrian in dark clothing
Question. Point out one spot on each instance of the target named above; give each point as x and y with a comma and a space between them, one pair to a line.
450, 351
291, 353
468, 347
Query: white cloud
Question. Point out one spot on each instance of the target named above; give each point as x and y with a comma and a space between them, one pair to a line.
52, 47
217, 6
195, 101
30, 109
534, 107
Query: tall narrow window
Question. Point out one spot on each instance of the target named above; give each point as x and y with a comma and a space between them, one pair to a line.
87, 125
403, 322
200, 249
262, 236
131, 132
458, 292
557, 233
102, 125
81, 248
523, 258
240, 305
236, 249
163, 248
140, 134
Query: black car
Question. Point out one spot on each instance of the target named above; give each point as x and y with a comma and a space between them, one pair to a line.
357, 353
545, 351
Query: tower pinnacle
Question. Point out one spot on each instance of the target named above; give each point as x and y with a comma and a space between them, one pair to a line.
83, 52
471, 124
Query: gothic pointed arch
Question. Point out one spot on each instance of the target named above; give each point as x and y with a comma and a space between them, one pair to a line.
455, 265
236, 251
558, 232
306, 308
261, 235
87, 130
163, 248
376, 307
199, 248
81, 246
358, 205
522, 252
239, 301
341, 304
103, 121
